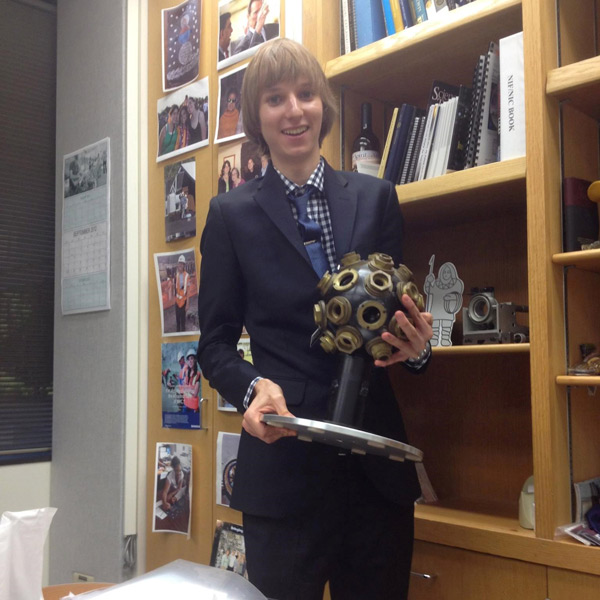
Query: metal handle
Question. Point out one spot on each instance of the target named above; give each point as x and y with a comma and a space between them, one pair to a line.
425, 576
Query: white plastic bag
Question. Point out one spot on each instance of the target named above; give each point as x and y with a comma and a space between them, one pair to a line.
22, 537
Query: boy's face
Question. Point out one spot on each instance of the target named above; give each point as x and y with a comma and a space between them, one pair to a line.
290, 115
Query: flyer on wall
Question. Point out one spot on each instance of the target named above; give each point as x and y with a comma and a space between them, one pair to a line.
181, 44
229, 550
173, 488
85, 256
181, 386
227, 450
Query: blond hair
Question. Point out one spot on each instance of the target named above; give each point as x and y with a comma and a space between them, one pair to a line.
282, 60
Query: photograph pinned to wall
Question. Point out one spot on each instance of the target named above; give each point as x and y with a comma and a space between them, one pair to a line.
177, 284
181, 44
180, 200
173, 488
181, 386
85, 258
227, 451
239, 163
225, 406
182, 119
244, 26
229, 550
229, 106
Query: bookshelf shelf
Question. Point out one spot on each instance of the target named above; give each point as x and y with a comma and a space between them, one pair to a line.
404, 59
481, 349
588, 260
493, 188
579, 83
578, 380
474, 529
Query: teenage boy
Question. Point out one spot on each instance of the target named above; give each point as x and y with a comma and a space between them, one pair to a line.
311, 514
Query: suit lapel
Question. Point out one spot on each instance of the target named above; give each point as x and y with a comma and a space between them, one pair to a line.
343, 203
271, 197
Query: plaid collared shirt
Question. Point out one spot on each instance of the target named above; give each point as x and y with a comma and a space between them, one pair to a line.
318, 209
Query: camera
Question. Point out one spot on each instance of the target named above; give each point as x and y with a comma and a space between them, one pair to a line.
487, 321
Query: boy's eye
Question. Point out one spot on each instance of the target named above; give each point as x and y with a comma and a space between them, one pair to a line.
274, 100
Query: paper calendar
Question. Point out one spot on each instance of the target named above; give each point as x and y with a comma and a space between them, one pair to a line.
85, 273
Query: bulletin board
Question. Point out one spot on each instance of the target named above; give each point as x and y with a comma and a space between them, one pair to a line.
168, 204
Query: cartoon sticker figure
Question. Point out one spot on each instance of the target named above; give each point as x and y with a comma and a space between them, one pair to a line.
444, 300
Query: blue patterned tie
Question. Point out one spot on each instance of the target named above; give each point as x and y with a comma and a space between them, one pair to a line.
310, 231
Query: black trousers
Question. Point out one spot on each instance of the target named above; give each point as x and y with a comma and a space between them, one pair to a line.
180, 317
357, 540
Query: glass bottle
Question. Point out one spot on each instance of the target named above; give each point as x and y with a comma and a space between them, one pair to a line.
366, 145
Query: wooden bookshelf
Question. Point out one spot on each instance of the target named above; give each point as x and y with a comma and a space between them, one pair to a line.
502, 219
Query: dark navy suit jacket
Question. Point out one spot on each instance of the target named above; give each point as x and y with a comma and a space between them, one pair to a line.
253, 39
255, 272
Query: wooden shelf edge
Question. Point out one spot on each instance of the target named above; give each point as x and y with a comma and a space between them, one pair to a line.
483, 349
500, 536
339, 69
494, 174
563, 80
578, 84
578, 380
582, 259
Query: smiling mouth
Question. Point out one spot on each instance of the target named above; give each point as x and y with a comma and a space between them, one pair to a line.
296, 131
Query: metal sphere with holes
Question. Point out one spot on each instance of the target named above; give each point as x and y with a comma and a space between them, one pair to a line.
358, 304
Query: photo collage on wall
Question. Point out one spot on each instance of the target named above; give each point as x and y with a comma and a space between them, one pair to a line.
184, 113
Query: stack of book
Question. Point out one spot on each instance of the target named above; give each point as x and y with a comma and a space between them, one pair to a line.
460, 127
366, 21
425, 143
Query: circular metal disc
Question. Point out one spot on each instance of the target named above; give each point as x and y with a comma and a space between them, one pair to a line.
355, 440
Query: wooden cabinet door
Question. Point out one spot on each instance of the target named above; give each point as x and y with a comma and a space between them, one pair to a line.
455, 574
566, 585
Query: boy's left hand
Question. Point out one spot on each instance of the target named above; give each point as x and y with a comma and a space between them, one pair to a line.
418, 333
